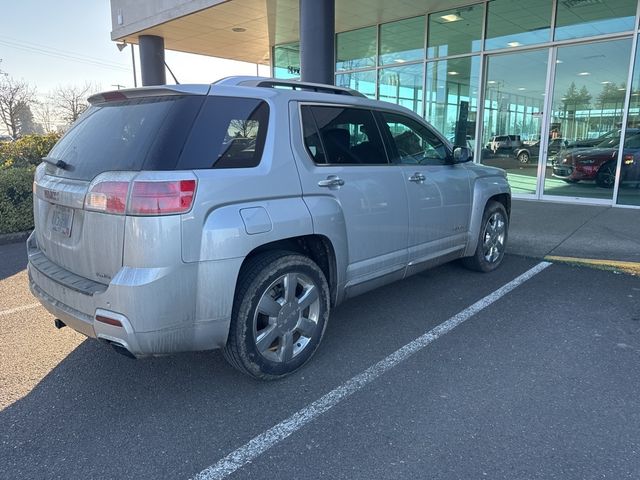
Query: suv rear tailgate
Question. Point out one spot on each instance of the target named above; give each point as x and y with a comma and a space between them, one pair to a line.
119, 138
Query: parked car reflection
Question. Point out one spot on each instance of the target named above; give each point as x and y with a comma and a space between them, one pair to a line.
599, 163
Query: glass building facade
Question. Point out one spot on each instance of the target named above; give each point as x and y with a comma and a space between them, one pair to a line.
549, 90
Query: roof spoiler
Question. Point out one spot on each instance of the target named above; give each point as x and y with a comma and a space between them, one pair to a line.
154, 91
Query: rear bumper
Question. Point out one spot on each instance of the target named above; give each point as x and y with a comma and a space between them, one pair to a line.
162, 310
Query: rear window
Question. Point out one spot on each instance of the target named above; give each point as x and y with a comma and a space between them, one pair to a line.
137, 134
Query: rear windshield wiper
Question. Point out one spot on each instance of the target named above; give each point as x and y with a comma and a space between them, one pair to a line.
57, 163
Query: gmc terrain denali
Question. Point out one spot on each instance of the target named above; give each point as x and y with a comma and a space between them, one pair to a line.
236, 215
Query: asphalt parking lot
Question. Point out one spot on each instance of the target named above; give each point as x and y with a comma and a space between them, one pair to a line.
541, 383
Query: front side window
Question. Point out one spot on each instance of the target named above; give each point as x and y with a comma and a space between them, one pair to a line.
414, 143
342, 136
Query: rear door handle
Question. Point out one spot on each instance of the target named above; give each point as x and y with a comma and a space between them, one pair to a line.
417, 178
332, 181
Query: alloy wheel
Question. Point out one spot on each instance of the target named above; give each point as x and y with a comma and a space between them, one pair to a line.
494, 237
286, 318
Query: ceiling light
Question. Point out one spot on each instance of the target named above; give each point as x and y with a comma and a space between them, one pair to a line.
491, 81
514, 44
399, 60
452, 17
622, 89
559, 61
606, 82
584, 74
521, 88
238, 29
453, 73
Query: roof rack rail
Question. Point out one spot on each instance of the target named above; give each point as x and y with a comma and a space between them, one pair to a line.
292, 84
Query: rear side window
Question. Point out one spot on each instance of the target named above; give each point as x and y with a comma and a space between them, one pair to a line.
137, 134
342, 135
230, 132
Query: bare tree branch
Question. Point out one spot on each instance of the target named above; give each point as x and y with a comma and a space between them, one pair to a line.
15, 97
71, 100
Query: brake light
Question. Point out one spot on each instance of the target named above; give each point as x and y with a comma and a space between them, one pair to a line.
628, 159
107, 197
143, 197
161, 198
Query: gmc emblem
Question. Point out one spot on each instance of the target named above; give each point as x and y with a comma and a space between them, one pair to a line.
52, 195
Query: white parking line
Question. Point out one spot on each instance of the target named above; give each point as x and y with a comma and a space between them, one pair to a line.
18, 309
279, 432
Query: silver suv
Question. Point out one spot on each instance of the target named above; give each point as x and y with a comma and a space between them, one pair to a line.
236, 215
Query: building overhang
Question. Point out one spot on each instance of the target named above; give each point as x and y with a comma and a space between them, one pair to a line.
246, 29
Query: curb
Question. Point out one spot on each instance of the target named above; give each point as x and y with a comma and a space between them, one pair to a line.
6, 238
632, 268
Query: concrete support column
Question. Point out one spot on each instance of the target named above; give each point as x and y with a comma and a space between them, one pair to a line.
152, 60
317, 45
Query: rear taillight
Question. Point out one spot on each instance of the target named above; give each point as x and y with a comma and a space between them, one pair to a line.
161, 198
142, 197
108, 197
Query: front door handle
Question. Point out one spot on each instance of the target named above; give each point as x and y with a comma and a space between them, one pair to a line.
417, 178
332, 181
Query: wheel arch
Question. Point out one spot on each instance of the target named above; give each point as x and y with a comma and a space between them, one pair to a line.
314, 246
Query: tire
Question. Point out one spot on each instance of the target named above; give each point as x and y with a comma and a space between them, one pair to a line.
523, 157
570, 180
275, 329
492, 240
606, 176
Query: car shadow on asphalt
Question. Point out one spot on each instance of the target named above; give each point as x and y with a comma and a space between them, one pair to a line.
13, 259
97, 413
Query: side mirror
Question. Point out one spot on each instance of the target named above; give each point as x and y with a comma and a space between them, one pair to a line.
461, 154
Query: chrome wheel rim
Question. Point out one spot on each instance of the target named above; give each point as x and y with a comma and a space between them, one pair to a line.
286, 318
494, 235
524, 158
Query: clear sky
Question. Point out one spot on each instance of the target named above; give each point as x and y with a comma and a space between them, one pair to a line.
67, 42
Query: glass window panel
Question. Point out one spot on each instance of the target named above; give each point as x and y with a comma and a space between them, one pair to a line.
348, 136
402, 85
364, 82
456, 31
452, 88
512, 23
584, 18
286, 60
588, 103
629, 191
512, 120
356, 49
402, 41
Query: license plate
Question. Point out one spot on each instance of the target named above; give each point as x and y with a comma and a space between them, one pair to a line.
61, 220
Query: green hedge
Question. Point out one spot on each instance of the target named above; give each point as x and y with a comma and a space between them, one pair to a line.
16, 201
26, 151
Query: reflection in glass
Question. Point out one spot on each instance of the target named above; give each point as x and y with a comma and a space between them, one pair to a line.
452, 87
512, 23
512, 120
402, 85
356, 49
402, 41
364, 82
629, 190
456, 31
588, 103
580, 18
286, 60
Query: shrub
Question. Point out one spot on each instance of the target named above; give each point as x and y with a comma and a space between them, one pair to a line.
16, 202
26, 151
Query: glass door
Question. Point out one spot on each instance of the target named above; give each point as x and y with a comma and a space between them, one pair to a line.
514, 98
585, 122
